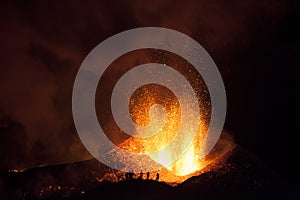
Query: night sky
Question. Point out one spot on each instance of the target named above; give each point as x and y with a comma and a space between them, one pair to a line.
255, 45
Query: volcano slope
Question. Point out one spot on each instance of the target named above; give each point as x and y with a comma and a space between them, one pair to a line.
240, 176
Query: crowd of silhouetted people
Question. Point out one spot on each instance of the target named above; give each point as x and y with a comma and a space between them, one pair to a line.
129, 176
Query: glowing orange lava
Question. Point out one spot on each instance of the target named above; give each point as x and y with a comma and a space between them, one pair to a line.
146, 112
164, 120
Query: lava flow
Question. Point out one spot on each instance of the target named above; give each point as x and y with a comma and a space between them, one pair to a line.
148, 106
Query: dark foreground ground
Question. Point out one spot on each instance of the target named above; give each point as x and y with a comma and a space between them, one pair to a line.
242, 176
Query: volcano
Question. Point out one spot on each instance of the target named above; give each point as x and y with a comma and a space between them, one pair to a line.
240, 175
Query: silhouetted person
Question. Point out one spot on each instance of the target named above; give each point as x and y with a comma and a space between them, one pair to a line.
127, 176
148, 175
141, 175
130, 175
157, 177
